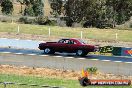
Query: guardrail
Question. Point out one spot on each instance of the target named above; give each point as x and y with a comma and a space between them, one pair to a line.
24, 84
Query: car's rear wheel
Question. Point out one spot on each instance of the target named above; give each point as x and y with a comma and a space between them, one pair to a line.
81, 53
48, 51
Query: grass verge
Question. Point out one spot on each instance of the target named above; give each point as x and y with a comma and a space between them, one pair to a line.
45, 81
66, 32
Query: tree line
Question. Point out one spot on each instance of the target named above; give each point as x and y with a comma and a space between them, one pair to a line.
95, 13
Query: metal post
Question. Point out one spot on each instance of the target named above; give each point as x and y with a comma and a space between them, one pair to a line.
4, 85
81, 35
18, 29
49, 31
116, 36
11, 20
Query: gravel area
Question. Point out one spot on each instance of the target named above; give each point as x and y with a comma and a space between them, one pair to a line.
55, 73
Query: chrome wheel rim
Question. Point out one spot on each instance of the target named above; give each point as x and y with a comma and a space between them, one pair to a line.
47, 50
79, 52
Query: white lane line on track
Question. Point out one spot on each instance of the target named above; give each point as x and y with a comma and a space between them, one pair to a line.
128, 62
117, 61
43, 55
81, 58
5, 52
69, 57
57, 56
105, 60
94, 59
123, 56
19, 53
64, 57
31, 54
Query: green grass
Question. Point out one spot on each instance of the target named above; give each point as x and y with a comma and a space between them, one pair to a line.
67, 32
45, 81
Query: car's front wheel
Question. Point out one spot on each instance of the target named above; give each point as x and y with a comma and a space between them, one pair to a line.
48, 51
81, 53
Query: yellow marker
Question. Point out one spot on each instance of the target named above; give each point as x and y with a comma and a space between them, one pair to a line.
84, 73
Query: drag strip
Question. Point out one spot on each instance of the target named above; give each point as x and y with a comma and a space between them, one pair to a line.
30, 47
67, 55
65, 63
25, 53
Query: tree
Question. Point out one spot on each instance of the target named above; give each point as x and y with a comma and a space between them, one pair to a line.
95, 12
121, 9
74, 10
38, 8
33, 7
22, 3
28, 11
7, 7
56, 6
80, 10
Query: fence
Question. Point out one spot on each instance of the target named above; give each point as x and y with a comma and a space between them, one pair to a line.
101, 37
64, 32
73, 33
19, 85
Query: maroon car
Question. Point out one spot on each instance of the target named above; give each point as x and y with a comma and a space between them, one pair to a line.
67, 45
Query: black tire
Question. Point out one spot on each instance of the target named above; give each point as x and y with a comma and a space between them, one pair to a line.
81, 53
48, 51
85, 81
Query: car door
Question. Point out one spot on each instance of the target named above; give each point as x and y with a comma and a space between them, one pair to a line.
61, 46
71, 46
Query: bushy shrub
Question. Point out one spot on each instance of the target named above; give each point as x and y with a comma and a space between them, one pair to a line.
45, 21
39, 20
6, 19
52, 22
130, 25
27, 20
92, 70
69, 22
22, 19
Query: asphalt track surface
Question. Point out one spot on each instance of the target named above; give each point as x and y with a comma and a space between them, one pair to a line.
36, 58
30, 56
31, 47
67, 55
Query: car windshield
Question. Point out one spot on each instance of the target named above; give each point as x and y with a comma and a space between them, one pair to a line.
81, 41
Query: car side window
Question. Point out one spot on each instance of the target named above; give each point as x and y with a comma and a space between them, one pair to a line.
66, 41
61, 41
71, 42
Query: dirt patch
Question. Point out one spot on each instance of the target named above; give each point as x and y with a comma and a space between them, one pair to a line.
53, 38
55, 73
